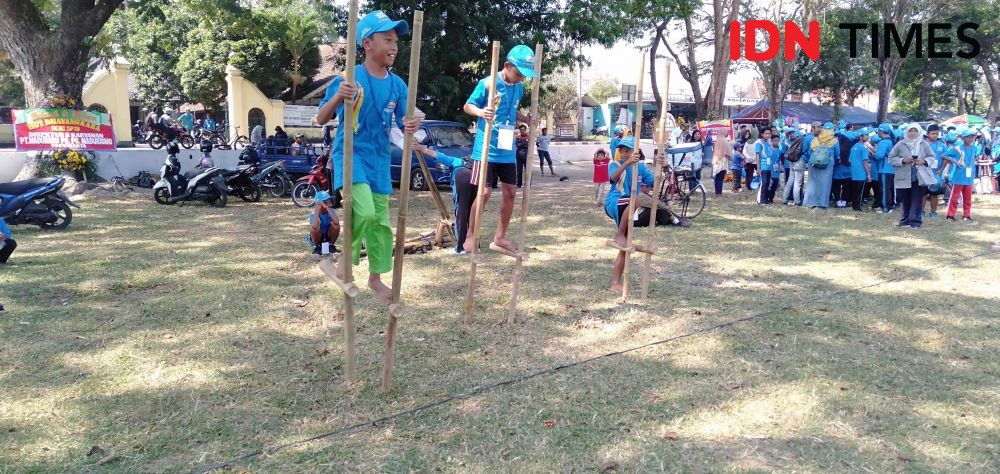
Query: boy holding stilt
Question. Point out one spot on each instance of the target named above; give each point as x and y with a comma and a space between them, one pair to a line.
380, 103
502, 165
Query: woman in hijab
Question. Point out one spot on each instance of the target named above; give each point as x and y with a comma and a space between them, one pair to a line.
910, 154
722, 158
824, 150
697, 161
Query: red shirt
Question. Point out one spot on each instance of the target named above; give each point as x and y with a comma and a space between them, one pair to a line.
601, 169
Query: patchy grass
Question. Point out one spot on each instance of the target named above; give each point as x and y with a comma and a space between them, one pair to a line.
176, 337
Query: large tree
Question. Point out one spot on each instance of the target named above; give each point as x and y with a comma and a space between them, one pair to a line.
49, 43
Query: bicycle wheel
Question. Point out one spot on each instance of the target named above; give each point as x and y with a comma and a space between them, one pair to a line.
240, 142
693, 202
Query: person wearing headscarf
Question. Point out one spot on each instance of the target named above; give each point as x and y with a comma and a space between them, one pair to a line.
722, 157
910, 154
823, 152
751, 160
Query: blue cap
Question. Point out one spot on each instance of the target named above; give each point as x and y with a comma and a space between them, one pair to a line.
827, 125
627, 142
886, 128
951, 137
969, 133
737, 145
841, 124
378, 22
523, 58
323, 196
620, 129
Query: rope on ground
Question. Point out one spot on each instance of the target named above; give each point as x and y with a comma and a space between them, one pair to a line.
551, 370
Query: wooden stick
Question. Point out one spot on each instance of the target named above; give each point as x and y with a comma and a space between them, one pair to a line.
350, 289
658, 170
509, 253
523, 224
395, 309
634, 193
481, 193
350, 351
436, 194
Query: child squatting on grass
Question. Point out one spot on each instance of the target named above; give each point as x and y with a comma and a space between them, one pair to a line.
324, 224
380, 103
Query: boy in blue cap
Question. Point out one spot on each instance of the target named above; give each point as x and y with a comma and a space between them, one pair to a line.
887, 173
502, 167
861, 171
324, 225
7, 243
939, 148
962, 160
380, 104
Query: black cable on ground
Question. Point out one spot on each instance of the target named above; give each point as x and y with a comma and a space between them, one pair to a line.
552, 370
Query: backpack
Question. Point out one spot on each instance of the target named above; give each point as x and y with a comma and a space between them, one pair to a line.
144, 180
750, 152
794, 153
821, 156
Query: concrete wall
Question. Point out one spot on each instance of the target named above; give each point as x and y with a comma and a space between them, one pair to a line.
110, 89
129, 160
243, 96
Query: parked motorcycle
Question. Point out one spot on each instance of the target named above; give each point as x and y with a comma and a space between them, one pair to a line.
205, 183
36, 202
306, 187
271, 178
157, 138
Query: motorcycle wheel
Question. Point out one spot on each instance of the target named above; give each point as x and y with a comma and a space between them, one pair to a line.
220, 200
162, 196
250, 193
156, 141
187, 141
65, 216
303, 194
275, 186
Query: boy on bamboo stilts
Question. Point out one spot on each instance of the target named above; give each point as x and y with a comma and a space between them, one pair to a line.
502, 164
380, 103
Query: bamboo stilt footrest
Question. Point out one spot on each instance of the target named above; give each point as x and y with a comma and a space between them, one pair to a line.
645, 249
614, 245
350, 289
396, 310
499, 249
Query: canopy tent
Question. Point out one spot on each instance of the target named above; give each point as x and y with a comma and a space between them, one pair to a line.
965, 120
805, 113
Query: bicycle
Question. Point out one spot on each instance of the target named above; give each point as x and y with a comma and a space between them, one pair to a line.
219, 139
120, 184
687, 203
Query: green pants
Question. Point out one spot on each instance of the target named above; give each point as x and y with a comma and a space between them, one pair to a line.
371, 226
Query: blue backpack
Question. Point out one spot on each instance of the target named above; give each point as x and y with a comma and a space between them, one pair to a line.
822, 156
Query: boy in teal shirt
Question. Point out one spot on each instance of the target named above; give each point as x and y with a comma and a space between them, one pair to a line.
962, 160
502, 166
861, 171
380, 103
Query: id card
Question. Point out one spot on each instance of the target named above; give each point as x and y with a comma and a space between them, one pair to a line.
968, 171
505, 138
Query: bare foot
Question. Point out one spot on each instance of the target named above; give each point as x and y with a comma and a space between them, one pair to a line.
340, 268
381, 291
504, 243
616, 287
467, 246
621, 240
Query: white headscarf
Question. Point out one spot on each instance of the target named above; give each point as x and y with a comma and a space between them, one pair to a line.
913, 144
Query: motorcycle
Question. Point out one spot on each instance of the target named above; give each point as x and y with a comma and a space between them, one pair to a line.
272, 177
206, 183
157, 138
306, 187
239, 182
37, 202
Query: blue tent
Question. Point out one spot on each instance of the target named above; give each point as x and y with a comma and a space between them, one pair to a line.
806, 113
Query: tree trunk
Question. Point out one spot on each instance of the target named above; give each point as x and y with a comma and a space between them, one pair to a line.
960, 92
653, 47
838, 91
689, 69
991, 79
52, 62
852, 95
925, 90
715, 100
888, 69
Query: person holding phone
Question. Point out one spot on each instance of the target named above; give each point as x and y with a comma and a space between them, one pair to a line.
910, 154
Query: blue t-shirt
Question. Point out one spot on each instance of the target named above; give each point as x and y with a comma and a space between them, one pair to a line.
776, 158
380, 103
4, 229
938, 147
764, 155
859, 155
882, 150
619, 193
324, 221
209, 124
963, 176
737, 161
506, 116
841, 171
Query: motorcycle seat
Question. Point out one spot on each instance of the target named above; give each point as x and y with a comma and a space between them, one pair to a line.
230, 173
21, 187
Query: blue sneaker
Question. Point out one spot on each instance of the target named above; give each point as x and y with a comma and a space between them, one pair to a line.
933, 215
921, 215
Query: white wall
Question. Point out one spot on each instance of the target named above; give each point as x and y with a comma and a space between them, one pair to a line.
129, 160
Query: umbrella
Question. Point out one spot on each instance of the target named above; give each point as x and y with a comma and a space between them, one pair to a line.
965, 120
707, 127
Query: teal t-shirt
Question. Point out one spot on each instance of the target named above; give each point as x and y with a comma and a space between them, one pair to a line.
859, 155
963, 176
506, 116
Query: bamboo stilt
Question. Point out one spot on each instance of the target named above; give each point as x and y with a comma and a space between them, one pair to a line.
634, 192
658, 170
438, 200
395, 308
519, 265
350, 350
481, 193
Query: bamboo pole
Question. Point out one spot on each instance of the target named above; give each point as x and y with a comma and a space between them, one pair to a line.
658, 170
350, 351
481, 193
436, 195
395, 309
634, 192
518, 266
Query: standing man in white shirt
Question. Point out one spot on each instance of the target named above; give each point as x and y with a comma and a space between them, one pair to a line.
542, 142
625, 117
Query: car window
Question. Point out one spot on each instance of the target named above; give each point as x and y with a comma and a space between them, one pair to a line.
452, 136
